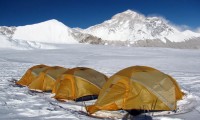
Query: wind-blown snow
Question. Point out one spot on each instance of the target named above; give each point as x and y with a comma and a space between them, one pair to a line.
20, 103
51, 31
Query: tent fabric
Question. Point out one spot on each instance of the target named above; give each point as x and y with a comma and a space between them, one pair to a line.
31, 74
46, 79
138, 88
79, 82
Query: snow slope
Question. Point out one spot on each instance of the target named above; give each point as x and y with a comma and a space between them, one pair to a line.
51, 31
132, 26
20, 103
8, 43
181, 36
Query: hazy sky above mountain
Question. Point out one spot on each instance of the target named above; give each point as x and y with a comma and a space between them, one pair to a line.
85, 13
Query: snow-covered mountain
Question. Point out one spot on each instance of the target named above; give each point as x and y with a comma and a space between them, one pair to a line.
128, 28
51, 31
132, 26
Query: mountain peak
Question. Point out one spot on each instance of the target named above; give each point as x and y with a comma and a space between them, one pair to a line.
52, 22
128, 14
131, 12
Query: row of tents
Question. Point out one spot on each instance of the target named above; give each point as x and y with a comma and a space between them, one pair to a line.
136, 88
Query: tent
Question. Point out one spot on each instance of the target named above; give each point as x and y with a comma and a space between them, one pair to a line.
138, 88
46, 79
79, 83
31, 74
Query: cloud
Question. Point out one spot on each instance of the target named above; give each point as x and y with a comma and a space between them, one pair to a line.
158, 16
198, 30
182, 27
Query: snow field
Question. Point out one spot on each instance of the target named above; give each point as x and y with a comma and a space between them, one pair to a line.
20, 103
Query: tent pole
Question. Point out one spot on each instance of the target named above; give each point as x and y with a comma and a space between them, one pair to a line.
155, 105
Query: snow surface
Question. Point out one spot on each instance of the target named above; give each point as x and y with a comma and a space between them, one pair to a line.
20, 103
8, 43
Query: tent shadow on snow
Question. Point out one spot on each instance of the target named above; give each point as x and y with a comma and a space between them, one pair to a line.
139, 117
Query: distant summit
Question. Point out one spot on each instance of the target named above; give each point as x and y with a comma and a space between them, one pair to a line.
132, 26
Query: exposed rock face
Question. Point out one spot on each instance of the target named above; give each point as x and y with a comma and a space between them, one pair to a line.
7, 31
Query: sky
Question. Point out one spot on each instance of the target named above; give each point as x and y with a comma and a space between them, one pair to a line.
85, 13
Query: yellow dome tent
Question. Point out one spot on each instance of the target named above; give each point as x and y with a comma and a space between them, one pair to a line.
31, 74
138, 88
46, 79
79, 82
